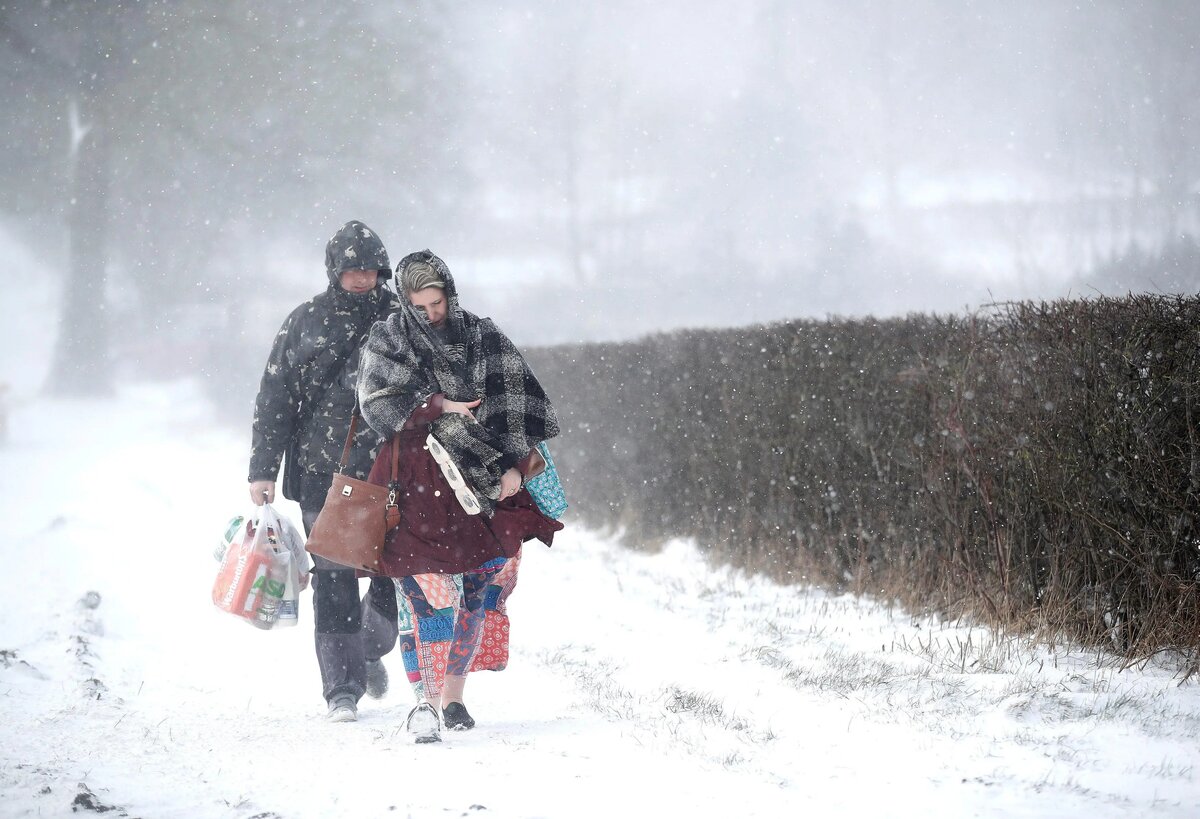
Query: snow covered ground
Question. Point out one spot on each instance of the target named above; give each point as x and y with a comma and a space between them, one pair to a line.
640, 685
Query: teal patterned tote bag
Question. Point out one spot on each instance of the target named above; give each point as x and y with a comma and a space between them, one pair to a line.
546, 488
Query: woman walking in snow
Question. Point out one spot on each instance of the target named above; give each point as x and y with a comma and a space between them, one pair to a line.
456, 396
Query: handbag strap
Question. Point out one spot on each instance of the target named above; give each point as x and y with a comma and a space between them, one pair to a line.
395, 461
345, 461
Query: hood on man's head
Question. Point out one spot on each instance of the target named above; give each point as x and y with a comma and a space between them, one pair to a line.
356, 247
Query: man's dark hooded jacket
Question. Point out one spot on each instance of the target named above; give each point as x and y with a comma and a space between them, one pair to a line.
308, 385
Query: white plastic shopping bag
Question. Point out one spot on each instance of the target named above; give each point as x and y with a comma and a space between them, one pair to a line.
256, 567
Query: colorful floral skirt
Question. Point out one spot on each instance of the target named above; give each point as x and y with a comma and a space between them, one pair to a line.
454, 624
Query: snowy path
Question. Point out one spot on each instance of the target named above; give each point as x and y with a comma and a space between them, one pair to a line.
639, 685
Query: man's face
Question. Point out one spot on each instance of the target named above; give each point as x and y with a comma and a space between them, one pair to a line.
359, 281
432, 302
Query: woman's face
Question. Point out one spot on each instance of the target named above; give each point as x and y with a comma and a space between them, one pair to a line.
432, 302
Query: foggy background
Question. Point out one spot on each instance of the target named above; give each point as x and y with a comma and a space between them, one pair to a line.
172, 170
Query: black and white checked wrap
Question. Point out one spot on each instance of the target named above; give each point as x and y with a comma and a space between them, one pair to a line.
405, 362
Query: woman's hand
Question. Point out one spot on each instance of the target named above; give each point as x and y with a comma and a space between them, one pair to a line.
461, 407
510, 483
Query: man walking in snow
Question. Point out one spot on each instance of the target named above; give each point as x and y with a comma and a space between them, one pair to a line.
305, 402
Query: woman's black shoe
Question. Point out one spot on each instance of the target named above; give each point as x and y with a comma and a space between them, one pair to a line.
456, 718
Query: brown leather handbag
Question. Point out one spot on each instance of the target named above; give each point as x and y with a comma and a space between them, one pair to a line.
356, 516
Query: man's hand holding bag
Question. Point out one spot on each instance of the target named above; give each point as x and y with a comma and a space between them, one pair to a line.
356, 516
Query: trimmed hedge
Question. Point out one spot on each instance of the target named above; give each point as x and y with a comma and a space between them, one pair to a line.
1036, 465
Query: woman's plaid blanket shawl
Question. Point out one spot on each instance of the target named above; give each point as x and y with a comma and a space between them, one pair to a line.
405, 362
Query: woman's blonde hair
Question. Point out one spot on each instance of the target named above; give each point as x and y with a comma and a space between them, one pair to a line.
418, 276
